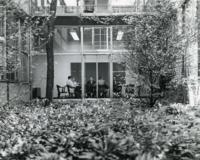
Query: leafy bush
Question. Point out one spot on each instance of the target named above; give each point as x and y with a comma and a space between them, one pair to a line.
97, 131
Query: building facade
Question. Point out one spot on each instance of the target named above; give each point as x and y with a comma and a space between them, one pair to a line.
86, 44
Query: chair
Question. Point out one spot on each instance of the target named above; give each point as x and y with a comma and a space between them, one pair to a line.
64, 90
103, 91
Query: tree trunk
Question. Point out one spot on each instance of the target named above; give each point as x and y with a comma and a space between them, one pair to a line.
151, 89
50, 69
50, 52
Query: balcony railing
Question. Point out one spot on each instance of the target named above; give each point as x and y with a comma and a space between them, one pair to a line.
61, 10
87, 9
124, 9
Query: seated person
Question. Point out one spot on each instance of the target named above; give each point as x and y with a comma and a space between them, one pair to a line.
77, 89
102, 88
71, 85
91, 88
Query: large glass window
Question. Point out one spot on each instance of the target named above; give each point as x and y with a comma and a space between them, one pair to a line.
76, 71
96, 38
102, 6
100, 38
90, 80
97, 80
119, 75
89, 6
119, 33
67, 40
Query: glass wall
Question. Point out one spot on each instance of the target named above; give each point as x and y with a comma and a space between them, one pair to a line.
90, 80
102, 6
119, 37
119, 74
97, 80
67, 40
96, 38
76, 71
89, 6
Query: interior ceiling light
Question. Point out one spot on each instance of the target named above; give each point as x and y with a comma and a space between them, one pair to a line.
119, 35
74, 35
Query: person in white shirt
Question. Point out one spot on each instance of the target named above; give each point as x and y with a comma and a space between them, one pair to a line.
71, 85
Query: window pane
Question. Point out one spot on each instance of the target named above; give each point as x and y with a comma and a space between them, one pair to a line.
118, 37
88, 40
89, 6
67, 40
119, 75
100, 38
90, 80
102, 6
76, 79
103, 88
76, 71
96, 38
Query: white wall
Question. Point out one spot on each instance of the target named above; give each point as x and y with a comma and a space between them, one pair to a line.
62, 69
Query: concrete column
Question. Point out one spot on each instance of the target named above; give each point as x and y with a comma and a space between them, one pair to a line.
111, 62
82, 65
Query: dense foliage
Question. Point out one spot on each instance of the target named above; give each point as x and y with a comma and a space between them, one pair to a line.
154, 44
99, 130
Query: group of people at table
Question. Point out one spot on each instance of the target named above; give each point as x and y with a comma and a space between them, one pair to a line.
75, 88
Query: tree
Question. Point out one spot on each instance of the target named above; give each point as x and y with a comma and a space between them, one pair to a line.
154, 45
50, 53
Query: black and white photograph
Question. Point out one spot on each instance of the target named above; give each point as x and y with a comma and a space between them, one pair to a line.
99, 79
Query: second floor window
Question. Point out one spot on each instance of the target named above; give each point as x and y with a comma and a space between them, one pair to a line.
96, 38
100, 38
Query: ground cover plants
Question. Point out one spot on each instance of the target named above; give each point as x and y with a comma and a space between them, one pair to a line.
99, 130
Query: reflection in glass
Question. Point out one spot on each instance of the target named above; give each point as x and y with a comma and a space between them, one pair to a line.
119, 75
96, 38
119, 37
76, 74
103, 81
90, 77
67, 40
89, 6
